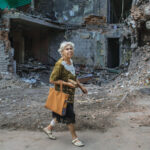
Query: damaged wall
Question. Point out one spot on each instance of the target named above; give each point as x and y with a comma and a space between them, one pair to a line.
26, 37
54, 43
34, 37
6, 53
85, 46
4, 58
91, 46
74, 11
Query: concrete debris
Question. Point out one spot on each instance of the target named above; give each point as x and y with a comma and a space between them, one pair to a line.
29, 80
85, 78
138, 74
97, 75
137, 13
138, 24
33, 71
140, 13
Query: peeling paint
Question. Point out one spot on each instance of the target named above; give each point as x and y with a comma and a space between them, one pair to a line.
85, 35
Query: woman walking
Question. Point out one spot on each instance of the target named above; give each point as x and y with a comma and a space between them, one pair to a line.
64, 73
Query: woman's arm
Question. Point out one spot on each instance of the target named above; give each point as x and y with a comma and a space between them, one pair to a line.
84, 90
63, 83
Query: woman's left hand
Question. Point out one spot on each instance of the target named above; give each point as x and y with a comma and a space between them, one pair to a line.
84, 90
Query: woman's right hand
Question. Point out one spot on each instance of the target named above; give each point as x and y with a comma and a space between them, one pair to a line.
71, 85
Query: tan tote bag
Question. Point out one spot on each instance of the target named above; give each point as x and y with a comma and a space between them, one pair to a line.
57, 101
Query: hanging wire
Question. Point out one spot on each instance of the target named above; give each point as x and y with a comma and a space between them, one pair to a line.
122, 13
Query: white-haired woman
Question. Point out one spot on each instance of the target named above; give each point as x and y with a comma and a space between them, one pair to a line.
64, 72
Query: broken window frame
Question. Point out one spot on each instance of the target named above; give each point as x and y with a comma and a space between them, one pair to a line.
123, 12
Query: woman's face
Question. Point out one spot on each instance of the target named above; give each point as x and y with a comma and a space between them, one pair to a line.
68, 51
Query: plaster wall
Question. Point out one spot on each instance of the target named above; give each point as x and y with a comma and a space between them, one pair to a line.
89, 47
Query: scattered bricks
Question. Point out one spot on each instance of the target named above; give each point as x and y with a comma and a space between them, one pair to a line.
6, 10
4, 35
96, 20
5, 23
136, 13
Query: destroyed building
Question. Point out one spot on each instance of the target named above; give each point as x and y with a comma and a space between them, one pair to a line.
31, 31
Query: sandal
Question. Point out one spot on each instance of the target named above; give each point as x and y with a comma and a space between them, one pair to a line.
49, 133
77, 142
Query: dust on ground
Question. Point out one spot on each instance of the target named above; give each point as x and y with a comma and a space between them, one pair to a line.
22, 106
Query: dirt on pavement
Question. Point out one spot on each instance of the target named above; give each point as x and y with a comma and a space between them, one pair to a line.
22, 106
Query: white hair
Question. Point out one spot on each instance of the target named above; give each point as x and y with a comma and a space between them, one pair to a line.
63, 45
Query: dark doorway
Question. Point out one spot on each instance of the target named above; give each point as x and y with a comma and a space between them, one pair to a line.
118, 10
113, 53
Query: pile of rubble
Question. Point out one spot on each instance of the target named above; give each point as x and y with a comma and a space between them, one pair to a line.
137, 30
33, 71
98, 75
138, 74
9, 81
138, 22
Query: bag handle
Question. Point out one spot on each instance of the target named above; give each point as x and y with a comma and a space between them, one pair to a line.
61, 86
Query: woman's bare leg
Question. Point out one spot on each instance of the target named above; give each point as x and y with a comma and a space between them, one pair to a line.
72, 130
75, 140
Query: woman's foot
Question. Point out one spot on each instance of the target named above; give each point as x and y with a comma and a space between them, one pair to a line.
77, 142
49, 133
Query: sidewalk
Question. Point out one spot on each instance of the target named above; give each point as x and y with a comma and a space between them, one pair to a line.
119, 138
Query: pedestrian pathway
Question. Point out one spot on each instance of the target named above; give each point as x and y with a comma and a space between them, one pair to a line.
118, 138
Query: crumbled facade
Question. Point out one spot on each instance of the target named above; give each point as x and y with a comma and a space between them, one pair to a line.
36, 30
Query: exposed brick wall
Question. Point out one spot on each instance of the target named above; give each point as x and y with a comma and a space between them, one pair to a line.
4, 61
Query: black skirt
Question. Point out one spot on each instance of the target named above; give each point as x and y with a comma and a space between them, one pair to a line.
68, 118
